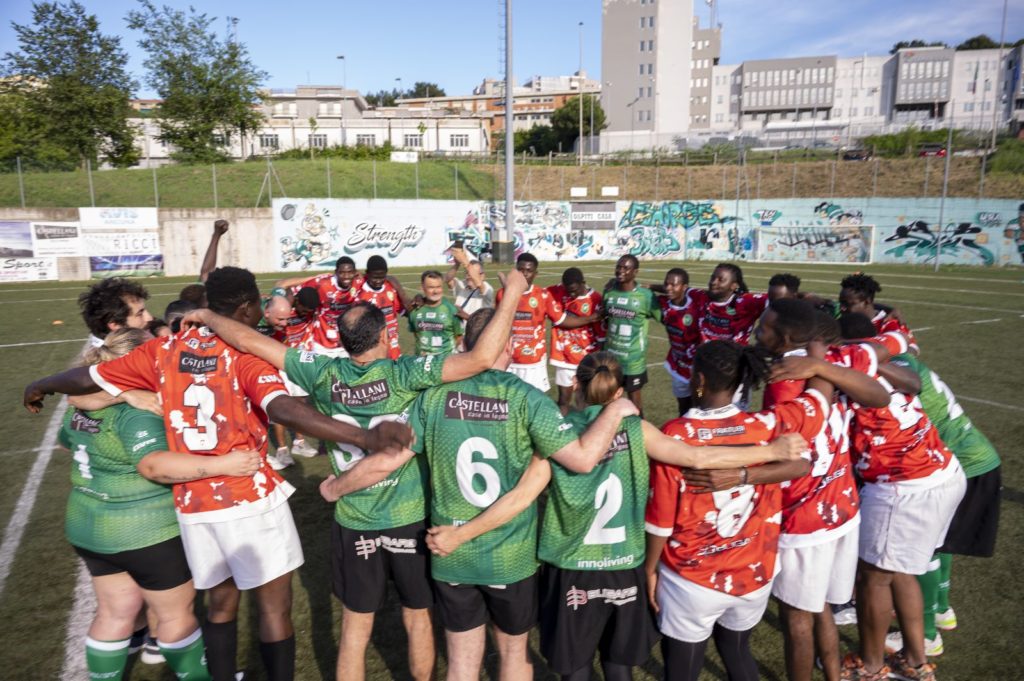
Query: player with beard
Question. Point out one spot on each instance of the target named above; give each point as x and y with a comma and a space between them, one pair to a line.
238, 532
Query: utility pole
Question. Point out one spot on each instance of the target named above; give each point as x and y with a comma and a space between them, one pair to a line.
344, 86
579, 91
997, 92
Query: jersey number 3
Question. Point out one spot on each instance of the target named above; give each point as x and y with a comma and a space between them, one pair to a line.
202, 437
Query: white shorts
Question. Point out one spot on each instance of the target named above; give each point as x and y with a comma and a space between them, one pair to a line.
253, 550
534, 374
810, 576
329, 352
565, 377
293, 389
688, 611
902, 526
680, 386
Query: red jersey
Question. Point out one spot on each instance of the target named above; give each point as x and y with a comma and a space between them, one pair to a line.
682, 324
387, 300
215, 400
816, 507
570, 346
529, 335
334, 301
734, 319
298, 332
883, 325
726, 540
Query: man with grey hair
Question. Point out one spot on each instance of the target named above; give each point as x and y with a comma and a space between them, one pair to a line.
473, 292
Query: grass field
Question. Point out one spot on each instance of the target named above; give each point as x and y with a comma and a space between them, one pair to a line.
238, 185
969, 323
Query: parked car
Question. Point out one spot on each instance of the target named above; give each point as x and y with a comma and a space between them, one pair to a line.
857, 155
932, 149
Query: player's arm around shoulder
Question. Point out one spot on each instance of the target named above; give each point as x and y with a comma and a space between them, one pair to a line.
675, 452
239, 336
581, 455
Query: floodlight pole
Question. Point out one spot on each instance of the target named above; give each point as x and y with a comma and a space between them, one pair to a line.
503, 249
945, 190
997, 91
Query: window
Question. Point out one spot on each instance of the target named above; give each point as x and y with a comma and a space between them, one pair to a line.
968, 107
988, 85
459, 141
853, 112
641, 69
650, 46
284, 109
650, 22
643, 45
329, 109
838, 113
869, 111
318, 141
268, 141
649, 89
986, 106
719, 118
366, 140
945, 69
718, 99
650, 69
219, 139
639, 92
414, 140
643, 22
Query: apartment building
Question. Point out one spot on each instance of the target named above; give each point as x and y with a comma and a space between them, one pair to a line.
705, 51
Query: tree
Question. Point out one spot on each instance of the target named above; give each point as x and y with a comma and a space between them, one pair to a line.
422, 89
565, 122
382, 97
978, 42
73, 87
210, 87
916, 42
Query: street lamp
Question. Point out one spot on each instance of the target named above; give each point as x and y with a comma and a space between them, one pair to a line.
399, 81
632, 123
344, 86
579, 90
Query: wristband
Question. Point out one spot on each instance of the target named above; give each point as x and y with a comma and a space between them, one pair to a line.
746, 475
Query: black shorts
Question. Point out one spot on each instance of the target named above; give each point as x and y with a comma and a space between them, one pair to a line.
363, 560
512, 608
583, 611
976, 521
632, 383
154, 568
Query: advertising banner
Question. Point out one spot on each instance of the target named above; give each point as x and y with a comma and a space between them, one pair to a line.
56, 239
16, 240
119, 243
103, 267
28, 269
119, 219
593, 214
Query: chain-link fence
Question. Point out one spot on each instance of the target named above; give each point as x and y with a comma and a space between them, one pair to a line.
802, 173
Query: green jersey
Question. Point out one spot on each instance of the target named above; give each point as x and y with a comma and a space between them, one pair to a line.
435, 328
479, 436
595, 520
111, 507
973, 450
364, 395
628, 313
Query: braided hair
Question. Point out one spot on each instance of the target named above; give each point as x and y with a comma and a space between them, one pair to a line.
737, 275
726, 365
864, 285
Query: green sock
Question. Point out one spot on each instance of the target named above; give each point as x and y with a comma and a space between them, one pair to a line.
929, 582
106, 659
187, 657
946, 567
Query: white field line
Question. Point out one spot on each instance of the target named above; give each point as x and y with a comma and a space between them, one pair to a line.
1012, 407
27, 499
79, 618
49, 342
984, 321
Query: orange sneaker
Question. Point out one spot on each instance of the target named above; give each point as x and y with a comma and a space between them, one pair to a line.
902, 669
853, 669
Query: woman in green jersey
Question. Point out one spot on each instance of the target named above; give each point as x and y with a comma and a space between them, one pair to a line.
124, 527
593, 592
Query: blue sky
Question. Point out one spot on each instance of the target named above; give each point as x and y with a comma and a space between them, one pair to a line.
455, 42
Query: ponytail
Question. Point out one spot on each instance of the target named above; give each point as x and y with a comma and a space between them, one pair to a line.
599, 375
116, 344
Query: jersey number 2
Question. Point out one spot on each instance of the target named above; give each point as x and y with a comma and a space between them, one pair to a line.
607, 501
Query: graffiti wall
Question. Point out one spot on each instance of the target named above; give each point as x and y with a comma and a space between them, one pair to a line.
313, 233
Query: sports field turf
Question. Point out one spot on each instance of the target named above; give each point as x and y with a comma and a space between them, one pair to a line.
969, 322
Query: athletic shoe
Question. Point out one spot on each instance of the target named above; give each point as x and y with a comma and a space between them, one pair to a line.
300, 448
853, 670
946, 620
280, 459
901, 669
846, 615
138, 640
151, 652
932, 646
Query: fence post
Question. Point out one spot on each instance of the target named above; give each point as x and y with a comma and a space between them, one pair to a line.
416, 175
328, 177
456, 181
657, 181
156, 190
550, 154
793, 191
723, 178
759, 183
874, 181
625, 182
927, 168
21, 183
689, 183
561, 175
981, 181
593, 179
213, 174
832, 184
92, 192
374, 178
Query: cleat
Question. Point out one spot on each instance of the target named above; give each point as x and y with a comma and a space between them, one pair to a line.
853, 669
899, 668
151, 652
932, 646
280, 459
946, 620
300, 448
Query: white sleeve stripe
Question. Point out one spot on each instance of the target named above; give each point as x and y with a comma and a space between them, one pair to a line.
826, 408
561, 319
270, 398
658, 531
102, 382
873, 368
901, 339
